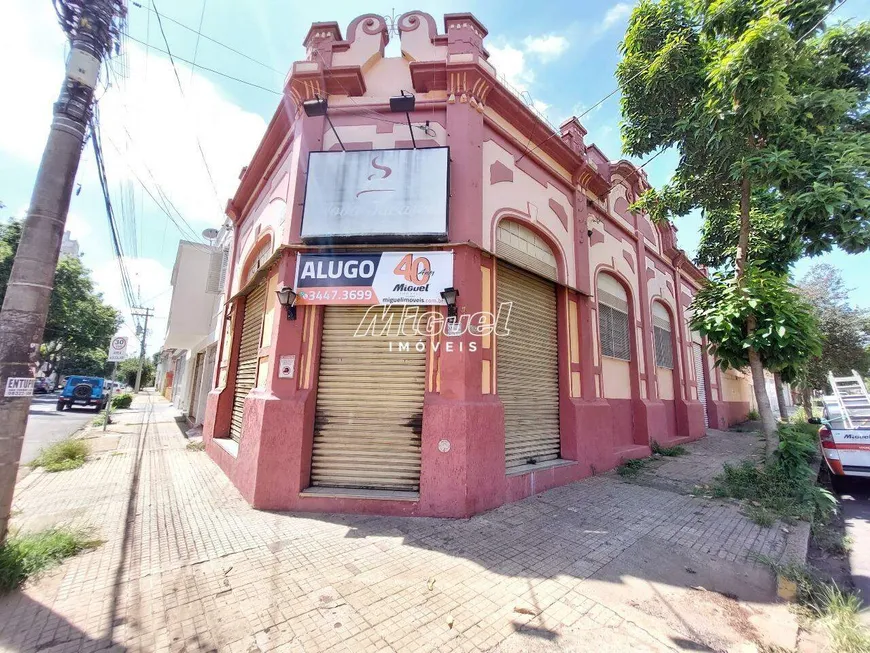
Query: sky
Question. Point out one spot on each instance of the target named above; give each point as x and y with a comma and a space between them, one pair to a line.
187, 136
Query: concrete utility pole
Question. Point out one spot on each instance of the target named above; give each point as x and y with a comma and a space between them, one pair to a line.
92, 26
147, 312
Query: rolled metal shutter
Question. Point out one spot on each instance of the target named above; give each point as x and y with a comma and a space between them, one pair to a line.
197, 380
527, 368
369, 415
249, 346
700, 379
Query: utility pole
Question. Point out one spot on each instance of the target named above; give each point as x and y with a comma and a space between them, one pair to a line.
92, 26
146, 312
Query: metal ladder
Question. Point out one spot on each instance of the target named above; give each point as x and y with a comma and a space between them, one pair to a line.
852, 398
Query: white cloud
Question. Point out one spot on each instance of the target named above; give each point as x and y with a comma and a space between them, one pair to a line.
34, 54
78, 226
616, 14
149, 278
513, 63
510, 63
547, 47
152, 132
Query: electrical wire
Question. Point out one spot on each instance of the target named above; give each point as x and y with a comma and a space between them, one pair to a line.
181, 89
198, 37
126, 286
208, 38
205, 68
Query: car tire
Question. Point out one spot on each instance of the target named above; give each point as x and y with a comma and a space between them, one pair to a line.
839, 483
59, 406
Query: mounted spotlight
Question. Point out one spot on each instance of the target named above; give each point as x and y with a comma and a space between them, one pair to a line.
287, 299
404, 103
449, 296
318, 107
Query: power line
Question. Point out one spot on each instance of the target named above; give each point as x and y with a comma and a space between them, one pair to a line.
126, 286
198, 37
205, 68
181, 89
208, 38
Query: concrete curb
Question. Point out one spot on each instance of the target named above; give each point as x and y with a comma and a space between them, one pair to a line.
797, 544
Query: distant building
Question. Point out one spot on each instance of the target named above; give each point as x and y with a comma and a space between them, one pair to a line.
188, 357
68, 246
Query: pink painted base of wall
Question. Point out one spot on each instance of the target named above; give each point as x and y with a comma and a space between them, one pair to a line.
728, 413
273, 464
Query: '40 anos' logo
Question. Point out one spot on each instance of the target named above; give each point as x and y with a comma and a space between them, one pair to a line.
416, 271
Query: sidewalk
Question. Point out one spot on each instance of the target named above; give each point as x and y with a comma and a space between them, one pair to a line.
187, 565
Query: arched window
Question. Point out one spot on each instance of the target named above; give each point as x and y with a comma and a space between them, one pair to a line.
613, 318
664, 346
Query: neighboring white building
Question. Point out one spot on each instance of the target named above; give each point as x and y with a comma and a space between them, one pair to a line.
68, 246
187, 362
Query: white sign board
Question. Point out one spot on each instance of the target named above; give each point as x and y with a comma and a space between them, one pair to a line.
369, 278
19, 387
376, 196
118, 349
287, 368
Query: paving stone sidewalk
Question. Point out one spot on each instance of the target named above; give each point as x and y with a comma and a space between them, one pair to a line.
187, 565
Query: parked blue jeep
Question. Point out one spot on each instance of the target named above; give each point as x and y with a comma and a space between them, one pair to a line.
83, 391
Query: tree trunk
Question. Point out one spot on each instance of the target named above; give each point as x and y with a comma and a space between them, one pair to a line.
768, 423
780, 397
807, 401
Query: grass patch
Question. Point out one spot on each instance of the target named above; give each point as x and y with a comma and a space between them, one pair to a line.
99, 420
753, 416
676, 450
122, 400
196, 446
63, 455
784, 488
24, 556
631, 468
828, 606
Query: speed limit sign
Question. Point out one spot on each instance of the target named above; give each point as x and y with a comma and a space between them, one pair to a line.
118, 349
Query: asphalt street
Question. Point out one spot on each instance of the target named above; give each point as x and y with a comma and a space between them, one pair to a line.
46, 425
855, 502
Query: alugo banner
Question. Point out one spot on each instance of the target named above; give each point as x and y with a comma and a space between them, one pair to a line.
373, 278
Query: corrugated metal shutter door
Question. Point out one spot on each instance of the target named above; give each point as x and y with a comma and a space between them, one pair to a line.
527, 368
246, 373
369, 415
197, 380
702, 381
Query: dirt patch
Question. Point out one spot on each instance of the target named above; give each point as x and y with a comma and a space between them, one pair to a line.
824, 553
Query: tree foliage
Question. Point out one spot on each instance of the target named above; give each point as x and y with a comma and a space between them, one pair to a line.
785, 335
757, 89
845, 330
768, 108
128, 369
79, 324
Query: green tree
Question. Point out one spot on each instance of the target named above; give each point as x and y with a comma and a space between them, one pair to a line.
759, 97
845, 330
78, 318
127, 370
79, 321
10, 234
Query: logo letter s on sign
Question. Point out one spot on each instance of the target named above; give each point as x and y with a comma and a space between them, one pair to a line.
415, 270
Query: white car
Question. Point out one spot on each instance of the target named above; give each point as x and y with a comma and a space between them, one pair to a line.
845, 440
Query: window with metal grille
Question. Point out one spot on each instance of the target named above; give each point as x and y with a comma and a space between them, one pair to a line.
613, 318
613, 331
664, 348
